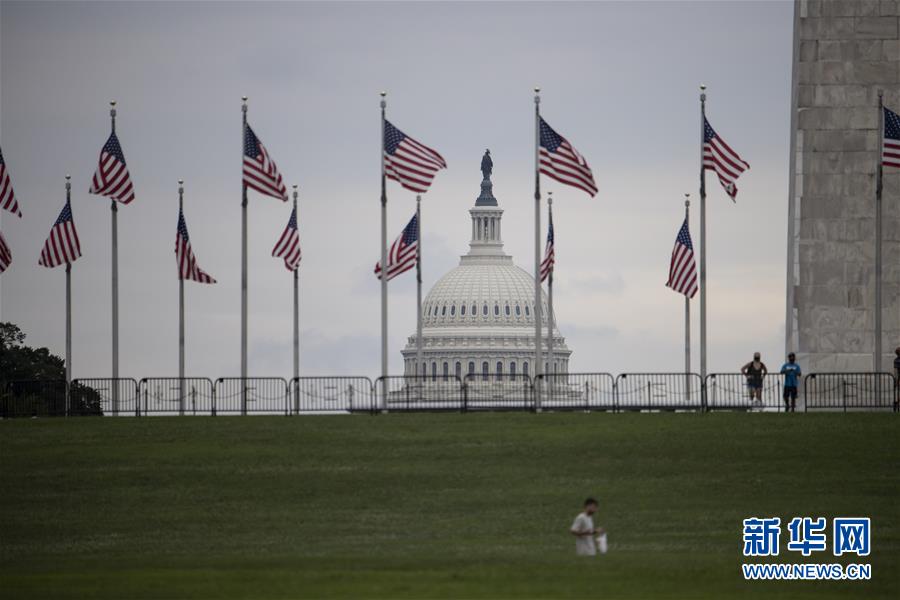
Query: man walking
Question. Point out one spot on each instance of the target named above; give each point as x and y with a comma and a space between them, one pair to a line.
584, 531
897, 380
791, 372
755, 371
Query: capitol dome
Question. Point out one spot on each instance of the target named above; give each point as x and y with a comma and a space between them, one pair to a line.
479, 317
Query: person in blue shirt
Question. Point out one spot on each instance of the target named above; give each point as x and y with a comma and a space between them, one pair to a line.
791, 372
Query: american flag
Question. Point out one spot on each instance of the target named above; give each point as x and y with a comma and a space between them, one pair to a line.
7, 197
5, 254
112, 179
683, 268
260, 172
413, 164
549, 254
718, 156
62, 245
402, 253
288, 246
890, 152
184, 255
562, 162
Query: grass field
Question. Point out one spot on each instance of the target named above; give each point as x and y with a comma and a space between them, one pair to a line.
427, 506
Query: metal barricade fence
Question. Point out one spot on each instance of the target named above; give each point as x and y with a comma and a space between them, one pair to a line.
165, 396
114, 397
37, 398
659, 391
267, 395
411, 393
498, 391
730, 391
576, 391
850, 391
332, 395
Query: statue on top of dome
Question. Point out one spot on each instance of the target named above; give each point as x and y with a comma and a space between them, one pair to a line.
487, 165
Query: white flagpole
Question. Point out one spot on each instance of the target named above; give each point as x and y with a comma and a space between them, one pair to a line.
687, 318
551, 370
879, 186
68, 313
702, 237
180, 315
537, 249
418, 284
384, 296
243, 268
114, 212
296, 317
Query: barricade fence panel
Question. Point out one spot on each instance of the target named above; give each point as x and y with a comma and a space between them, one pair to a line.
850, 391
173, 395
476, 392
659, 391
332, 395
731, 391
37, 398
498, 391
114, 397
420, 393
260, 395
576, 391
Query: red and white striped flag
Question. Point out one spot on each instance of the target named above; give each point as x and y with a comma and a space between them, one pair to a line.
549, 253
683, 267
62, 245
7, 197
718, 156
260, 172
413, 164
403, 253
5, 254
561, 161
288, 246
184, 255
112, 178
890, 151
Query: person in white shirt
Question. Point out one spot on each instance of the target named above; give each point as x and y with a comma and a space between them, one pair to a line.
584, 531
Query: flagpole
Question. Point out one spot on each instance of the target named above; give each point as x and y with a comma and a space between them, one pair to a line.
243, 270
296, 318
702, 237
551, 370
687, 318
418, 283
68, 313
180, 315
114, 212
879, 185
384, 308
537, 249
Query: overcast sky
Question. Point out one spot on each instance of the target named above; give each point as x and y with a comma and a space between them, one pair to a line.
620, 81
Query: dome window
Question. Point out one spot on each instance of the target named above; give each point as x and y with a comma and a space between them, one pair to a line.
474, 310
527, 312
507, 310
444, 311
484, 311
518, 310
452, 310
496, 310
462, 310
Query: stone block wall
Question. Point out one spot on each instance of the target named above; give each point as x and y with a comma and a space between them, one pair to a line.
845, 51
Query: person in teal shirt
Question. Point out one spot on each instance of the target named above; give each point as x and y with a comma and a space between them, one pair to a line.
791, 372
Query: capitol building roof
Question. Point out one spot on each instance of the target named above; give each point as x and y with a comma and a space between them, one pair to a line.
479, 317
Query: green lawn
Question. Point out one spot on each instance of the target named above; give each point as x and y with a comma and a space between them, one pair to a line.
473, 505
